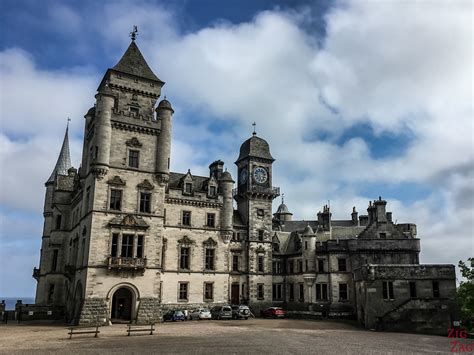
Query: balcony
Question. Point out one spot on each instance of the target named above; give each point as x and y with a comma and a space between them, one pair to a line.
122, 263
257, 190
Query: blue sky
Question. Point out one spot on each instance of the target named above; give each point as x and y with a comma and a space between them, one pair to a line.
357, 99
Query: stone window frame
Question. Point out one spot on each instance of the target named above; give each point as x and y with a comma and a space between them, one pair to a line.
185, 242
133, 149
275, 293
260, 291
51, 292
388, 291
321, 262
179, 298
412, 289
190, 218
291, 292
109, 197
339, 260
340, 292
320, 286
54, 260
236, 256
291, 266
205, 284
120, 233
436, 289
213, 219
209, 244
261, 235
145, 187
260, 263
301, 292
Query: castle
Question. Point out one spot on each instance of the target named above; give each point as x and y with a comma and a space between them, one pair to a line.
125, 238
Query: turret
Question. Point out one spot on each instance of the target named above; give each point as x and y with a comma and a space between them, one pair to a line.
308, 245
324, 218
164, 113
226, 184
89, 117
282, 213
101, 149
216, 168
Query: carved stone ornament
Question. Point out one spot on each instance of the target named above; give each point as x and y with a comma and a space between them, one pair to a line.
162, 179
99, 173
133, 142
116, 180
260, 250
129, 221
145, 185
226, 236
210, 242
185, 241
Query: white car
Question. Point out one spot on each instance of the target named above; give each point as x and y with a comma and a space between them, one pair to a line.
201, 313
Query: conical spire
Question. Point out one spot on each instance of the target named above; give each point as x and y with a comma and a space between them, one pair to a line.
64, 160
133, 62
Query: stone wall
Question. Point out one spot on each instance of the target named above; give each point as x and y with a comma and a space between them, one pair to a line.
94, 311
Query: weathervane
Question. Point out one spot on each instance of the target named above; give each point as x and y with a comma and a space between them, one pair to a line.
254, 124
134, 33
68, 120
282, 198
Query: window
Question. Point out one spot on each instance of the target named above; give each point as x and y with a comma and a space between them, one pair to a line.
113, 249
300, 265
88, 198
383, 235
291, 266
51, 293
54, 264
186, 218
134, 110
208, 291
260, 212
412, 289
260, 235
291, 288
306, 267
183, 291
188, 188
209, 259
133, 158
341, 263
260, 292
58, 221
321, 265
115, 199
184, 258
83, 251
212, 191
321, 292
277, 292
140, 246
387, 290
305, 245
127, 246
260, 264
343, 296
235, 262
211, 220
145, 202
436, 289
301, 298
235, 236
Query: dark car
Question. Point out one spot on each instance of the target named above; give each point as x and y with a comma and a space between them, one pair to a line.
221, 312
174, 316
240, 312
273, 312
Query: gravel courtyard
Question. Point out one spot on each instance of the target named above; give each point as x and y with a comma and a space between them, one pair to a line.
254, 336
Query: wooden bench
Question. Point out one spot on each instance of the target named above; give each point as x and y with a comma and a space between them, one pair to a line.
141, 328
84, 330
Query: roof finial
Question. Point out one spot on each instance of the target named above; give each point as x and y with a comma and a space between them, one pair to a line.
282, 198
68, 120
254, 132
134, 33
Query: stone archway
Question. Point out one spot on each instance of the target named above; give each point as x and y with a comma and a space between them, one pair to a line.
123, 300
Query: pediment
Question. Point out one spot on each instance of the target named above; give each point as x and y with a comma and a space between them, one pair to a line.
185, 240
210, 242
116, 180
146, 185
129, 221
133, 142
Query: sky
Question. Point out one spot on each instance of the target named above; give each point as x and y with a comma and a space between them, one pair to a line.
356, 99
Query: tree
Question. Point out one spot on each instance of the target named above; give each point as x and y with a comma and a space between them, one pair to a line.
465, 294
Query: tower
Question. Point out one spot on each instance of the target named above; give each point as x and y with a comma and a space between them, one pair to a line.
254, 197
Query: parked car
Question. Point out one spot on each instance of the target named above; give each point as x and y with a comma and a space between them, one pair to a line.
240, 312
201, 313
221, 312
273, 312
174, 316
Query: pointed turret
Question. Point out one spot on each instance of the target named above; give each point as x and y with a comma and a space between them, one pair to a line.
64, 159
133, 62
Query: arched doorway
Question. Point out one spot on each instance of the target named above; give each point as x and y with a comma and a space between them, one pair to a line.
122, 305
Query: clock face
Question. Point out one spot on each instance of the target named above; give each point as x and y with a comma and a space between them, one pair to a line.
243, 176
260, 174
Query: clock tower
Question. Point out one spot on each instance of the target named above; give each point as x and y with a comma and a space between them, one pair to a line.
254, 197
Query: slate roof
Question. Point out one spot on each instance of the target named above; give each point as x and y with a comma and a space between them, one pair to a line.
199, 182
133, 62
64, 160
255, 147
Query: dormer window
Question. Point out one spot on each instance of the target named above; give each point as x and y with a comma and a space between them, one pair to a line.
212, 191
135, 111
188, 188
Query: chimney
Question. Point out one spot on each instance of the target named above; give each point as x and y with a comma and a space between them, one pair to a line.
379, 209
389, 216
354, 215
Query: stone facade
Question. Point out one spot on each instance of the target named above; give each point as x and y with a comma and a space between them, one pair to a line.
126, 239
